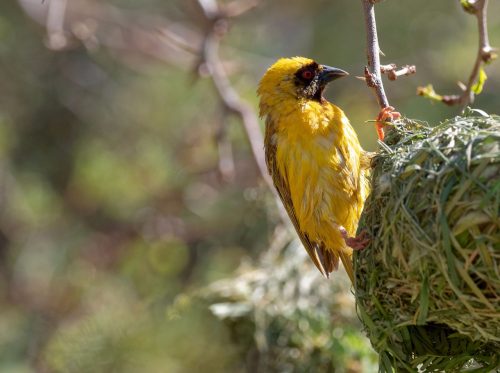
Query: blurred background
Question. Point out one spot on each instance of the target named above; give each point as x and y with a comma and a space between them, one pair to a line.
136, 231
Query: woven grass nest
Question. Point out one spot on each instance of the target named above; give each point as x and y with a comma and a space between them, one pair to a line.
428, 285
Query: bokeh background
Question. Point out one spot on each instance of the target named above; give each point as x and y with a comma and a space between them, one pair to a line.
136, 232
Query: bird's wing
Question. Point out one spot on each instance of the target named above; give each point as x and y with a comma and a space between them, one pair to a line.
324, 260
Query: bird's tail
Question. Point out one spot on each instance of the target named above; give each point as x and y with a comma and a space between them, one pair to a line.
347, 262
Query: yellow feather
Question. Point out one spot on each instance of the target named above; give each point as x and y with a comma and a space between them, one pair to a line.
316, 162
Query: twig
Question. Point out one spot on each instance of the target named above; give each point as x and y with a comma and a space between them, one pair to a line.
229, 97
56, 38
386, 68
210, 8
485, 51
372, 71
178, 45
225, 150
238, 7
393, 72
485, 54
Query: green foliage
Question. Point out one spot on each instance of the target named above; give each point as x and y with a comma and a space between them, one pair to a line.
428, 286
119, 335
113, 204
429, 92
477, 88
286, 317
468, 6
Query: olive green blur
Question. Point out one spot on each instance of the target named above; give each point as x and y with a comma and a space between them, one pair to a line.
117, 220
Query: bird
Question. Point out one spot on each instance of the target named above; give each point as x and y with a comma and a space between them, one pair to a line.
318, 167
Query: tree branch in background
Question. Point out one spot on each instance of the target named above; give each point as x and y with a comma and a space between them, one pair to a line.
485, 55
165, 41
156, 38
54, 24
227, 167
218, 19
218, 27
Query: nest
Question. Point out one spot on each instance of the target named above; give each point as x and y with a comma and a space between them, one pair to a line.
284, 317
428, 286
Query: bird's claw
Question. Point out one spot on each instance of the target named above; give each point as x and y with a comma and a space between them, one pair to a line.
360, 242
385, 115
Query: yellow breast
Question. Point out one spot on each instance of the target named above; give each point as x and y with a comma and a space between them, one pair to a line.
318, 152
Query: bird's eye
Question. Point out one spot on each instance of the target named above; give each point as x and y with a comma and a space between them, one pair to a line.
307, 74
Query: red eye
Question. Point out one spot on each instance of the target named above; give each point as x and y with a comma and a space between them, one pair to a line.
307, 74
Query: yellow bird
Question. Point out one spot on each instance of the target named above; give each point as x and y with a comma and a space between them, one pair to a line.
316, 162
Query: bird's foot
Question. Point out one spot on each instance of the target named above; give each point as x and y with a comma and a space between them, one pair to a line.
387, 114
360, 242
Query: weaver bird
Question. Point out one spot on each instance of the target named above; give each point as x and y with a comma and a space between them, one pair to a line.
316, 162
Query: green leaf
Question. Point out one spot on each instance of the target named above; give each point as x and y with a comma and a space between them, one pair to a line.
429, 92
424, 301
478, 87
467, 6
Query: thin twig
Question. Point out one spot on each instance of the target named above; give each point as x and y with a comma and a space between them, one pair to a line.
56, 38
169, 44
231, 99
229, 96
393, 72
485, 54
372, 71
227, 169
238, 7
386, 68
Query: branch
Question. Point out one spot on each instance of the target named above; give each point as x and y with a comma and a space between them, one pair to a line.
238, 7
229, 96
372, 71
485, 51
56, 38
227, 168
161, 39
393, 72
485, 54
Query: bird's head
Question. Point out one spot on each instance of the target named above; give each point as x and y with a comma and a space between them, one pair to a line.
295, 78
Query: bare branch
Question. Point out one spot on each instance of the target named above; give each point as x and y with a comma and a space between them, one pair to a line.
238, 7
56, 38
231, 99
393, 72
227, 168
160, 39
485, 54
386, 68
210, 8
129, 35
372, 71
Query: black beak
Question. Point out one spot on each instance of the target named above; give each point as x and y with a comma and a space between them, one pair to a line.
328, 73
